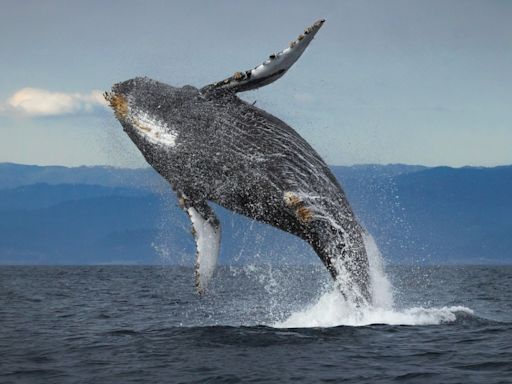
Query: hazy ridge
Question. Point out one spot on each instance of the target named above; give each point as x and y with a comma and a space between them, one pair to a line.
88, 215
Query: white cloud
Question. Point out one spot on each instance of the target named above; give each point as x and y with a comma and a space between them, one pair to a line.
41, 102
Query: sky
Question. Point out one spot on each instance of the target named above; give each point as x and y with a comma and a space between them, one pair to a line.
414, 82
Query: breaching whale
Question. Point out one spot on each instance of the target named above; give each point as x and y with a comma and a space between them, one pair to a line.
211, 146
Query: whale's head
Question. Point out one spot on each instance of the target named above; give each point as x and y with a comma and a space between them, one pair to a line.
151, 113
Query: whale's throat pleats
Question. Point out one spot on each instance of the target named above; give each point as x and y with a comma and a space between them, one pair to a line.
206, 232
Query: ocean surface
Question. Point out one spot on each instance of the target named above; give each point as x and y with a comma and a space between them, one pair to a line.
257, 324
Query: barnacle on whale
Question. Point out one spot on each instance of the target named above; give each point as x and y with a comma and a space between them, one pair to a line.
304, 214
118, 103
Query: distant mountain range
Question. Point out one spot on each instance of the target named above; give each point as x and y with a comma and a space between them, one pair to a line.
102, 215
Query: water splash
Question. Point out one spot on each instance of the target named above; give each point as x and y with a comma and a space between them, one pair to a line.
332, 309
381, 288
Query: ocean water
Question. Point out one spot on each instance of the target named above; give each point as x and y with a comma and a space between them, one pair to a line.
258, 324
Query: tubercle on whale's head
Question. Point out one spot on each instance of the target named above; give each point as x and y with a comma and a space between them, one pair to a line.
118, 103
118, 99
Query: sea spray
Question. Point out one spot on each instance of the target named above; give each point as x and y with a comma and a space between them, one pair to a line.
333, 309
283, 289
381, 288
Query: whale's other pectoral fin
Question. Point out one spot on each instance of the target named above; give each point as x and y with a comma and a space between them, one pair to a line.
272, 69
206, 232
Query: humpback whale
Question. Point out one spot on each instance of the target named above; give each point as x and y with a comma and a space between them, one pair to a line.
211, 146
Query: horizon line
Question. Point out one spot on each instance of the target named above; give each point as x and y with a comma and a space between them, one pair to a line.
330, 165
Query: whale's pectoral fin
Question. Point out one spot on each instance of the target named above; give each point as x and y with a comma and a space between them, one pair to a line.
272, 69
206, 231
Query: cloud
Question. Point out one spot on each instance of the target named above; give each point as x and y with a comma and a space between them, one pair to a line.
33, 102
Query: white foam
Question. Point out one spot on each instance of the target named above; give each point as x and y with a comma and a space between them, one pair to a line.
332, 309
